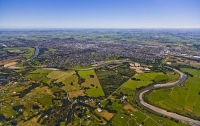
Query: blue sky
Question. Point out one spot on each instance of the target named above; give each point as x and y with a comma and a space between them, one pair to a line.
99, 13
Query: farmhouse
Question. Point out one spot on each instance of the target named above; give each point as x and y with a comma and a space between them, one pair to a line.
134, 64
99, 110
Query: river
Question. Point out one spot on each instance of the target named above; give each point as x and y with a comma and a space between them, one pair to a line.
35, 54
142, 103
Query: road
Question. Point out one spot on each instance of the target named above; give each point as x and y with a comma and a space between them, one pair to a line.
140, 94
91, 68
142, 103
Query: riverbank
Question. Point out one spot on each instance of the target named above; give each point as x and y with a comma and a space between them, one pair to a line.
141, 102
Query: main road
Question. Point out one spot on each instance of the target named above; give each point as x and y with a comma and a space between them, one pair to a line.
142, 103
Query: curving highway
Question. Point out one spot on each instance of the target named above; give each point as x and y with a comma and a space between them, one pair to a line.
142, 103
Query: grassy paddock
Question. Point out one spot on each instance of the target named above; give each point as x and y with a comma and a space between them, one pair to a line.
29, 51
36, 75
95, 92
91, 82
75, 94
184, 100
85, 73
60, 75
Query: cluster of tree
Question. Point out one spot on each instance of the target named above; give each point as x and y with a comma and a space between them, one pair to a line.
56, 84
80, 79
18, 107
107, 106
189, 74
26, 91
135, 79
60, 94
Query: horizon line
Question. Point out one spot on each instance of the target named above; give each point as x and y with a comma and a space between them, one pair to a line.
93, 28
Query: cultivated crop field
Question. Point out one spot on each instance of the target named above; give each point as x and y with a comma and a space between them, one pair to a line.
182, 99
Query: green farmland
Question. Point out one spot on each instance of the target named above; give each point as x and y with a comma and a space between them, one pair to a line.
95, 92
181, 99
145, 79
85, 73
112, 79
28, 51
52, 88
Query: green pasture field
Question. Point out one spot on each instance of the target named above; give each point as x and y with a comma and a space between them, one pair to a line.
139, 117
29, 51
71, 83
91, 82
181, 99
145, 79
39, 71
94, 92
85, 73
8, 111
173, 76
37, 75
191, 71
133, 84
40, 96
80, 67
149, 122
62, 123
130, 118
121, 120
156, 76
19, 71
60, 76
164, 122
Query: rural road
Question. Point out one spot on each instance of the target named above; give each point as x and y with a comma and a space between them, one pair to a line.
142, 103
140, 93
91, 68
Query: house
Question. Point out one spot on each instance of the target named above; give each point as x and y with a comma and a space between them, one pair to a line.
99, 110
